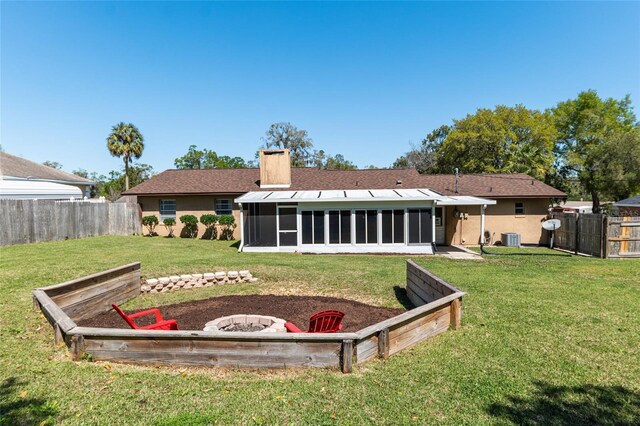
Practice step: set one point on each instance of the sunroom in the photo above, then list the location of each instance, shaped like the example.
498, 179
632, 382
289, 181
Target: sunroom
345, 221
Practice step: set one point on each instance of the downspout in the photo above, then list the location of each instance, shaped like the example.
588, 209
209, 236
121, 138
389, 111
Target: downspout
482, 210
241, 246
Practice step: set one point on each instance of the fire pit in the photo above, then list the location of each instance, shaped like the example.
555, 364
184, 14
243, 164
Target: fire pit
247, 323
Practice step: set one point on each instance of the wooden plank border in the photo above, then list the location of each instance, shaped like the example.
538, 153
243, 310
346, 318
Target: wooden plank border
249, 350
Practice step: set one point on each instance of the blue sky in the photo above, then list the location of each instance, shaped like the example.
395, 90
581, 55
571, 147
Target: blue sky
365, 79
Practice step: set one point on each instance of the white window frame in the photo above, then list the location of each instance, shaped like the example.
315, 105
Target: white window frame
218, 211
175, 210
515, 210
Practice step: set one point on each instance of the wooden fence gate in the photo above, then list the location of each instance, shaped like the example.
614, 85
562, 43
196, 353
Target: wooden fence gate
598, 235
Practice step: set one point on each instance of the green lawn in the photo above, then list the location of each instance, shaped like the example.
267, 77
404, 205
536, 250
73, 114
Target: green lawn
546, 338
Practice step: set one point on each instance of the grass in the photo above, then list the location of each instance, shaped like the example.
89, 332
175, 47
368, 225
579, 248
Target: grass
545, 339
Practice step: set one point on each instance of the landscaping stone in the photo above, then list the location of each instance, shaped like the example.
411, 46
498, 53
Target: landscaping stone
174, 278
191, 281
209, 276
163, 280
185, 277
152, 282
197, 276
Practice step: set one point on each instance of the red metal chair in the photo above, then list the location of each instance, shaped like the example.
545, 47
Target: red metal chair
322, 322
160, 324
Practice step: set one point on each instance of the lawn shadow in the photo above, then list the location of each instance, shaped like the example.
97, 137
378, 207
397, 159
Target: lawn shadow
17, 408
570, 405
401, 296
235, 245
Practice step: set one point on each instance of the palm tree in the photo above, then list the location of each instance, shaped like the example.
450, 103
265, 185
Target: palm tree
125, 141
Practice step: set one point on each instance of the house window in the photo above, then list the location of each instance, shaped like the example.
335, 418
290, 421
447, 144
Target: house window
366, 227
312, 227
167, 209
392, 226
340, 227
519, 209
224, 207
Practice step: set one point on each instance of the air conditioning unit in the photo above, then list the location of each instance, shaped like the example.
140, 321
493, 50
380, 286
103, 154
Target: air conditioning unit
510, 239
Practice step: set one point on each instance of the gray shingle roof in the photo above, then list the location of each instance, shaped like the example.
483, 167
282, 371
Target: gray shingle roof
13, 166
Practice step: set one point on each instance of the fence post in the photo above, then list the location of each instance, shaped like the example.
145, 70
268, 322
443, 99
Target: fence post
577, 233
604, 241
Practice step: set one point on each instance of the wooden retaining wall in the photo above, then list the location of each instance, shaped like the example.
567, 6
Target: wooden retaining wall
64, 304
91, 295
33, 221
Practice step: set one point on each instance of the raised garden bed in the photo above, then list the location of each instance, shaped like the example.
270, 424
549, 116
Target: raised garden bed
438, 307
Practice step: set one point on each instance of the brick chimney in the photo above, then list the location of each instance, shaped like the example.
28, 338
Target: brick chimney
275, 168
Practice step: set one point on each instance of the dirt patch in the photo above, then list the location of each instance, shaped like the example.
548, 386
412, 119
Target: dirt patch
297, 309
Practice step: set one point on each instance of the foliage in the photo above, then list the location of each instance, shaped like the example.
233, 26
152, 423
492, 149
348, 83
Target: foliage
190, 223
321, 161
99, 180
115, 184
52, 164
210, 221
287, 136
126, 141
150, 222
169, 223
568, 322
502, 140
207, 159
422, 158
228, 223
598, 143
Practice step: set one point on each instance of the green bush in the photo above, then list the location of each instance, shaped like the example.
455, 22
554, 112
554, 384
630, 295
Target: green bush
169, 223
209, 220
228, 223
190, 223
150, 222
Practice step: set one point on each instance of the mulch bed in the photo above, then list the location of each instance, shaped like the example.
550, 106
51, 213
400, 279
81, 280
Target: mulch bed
297, 309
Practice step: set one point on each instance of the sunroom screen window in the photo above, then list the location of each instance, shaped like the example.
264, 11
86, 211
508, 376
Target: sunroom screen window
313, 227
339, 227
366, 226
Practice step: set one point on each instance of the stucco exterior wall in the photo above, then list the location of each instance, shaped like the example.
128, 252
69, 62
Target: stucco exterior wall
499, 218
196, 205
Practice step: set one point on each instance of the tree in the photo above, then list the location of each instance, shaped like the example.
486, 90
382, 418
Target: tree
99, 180
338, 162
169, 223
190, 223
206, 159
321, 161
210, 221
114, 185
150, 222
422, 158
502, 140
287, 136
127, 142
52, 164
597, 143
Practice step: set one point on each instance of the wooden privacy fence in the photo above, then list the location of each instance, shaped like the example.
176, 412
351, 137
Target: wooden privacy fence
438, 308
598, 235
33, 221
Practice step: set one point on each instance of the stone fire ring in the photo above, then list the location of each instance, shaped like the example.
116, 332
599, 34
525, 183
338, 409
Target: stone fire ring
271, 324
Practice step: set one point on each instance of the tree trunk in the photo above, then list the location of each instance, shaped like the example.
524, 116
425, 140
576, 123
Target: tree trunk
126, 173
596, 201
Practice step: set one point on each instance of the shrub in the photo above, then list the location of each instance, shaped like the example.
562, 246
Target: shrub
209, 220
169, 223
228, 223
190, 222
150, 222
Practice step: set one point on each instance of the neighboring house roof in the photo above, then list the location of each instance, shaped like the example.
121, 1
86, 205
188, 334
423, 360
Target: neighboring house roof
238, 181
20, 168
37, 190
628, 202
